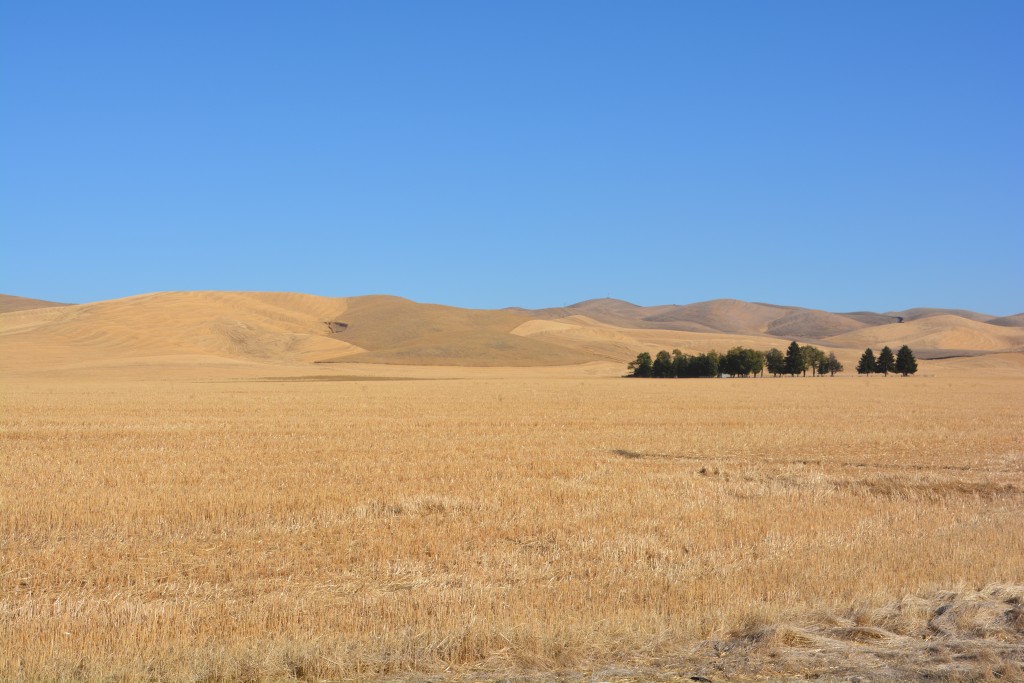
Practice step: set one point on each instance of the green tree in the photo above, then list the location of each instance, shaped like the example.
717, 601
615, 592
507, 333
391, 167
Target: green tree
905, 361
886, 362
775, 361
741, 362
680, 363
712, 363
812, 357
732, 363
832, 365
705, 365
795, 363
662, 365
753, 361
866, 365
641, 367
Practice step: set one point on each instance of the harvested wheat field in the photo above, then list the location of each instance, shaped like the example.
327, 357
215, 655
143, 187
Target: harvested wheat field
508, 524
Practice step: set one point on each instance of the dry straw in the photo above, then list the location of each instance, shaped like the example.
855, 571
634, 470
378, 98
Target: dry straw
329, 530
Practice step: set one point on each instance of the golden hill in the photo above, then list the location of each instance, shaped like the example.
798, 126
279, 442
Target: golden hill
267, 327
928, 335
918, 313
270, 328
717, 316
285, 330
583, 334
396, 330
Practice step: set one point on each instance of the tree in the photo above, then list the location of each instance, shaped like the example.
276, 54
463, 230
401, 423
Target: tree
680, 363
732, 362
701, 365
712, 361
795, 363
886, 362
775, 361
866, 366
741, 362
812, 357
753, 361
641, 367
705, 365
662, 366
905, 361
832, 365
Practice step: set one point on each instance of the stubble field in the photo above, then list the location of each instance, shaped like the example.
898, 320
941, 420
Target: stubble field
492, 527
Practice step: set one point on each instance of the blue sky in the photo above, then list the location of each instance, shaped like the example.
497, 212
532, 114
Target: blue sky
845, 156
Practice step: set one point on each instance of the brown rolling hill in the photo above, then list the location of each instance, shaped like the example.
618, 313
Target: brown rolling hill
260, 327
1008, 320
868, 318
719, 315
396, 330
919, 313
282, 329
270, 328
9, 304
937, 336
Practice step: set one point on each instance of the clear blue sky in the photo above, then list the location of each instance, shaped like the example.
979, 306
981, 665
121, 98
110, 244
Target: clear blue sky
837, 155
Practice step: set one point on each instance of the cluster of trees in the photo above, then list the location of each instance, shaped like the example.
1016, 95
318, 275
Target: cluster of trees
799, 359
741, 362
738, 362
903, 362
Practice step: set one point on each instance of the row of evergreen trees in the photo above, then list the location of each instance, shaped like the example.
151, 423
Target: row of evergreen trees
903, 362
741, 362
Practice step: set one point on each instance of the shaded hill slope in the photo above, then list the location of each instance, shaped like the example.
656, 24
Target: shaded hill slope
396, 330
9, 304
719, 315
1008, 320
919, 313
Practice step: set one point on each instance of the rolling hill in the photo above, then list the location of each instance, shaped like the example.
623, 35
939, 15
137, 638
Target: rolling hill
282, 329
937, 336
9, 304
719, 315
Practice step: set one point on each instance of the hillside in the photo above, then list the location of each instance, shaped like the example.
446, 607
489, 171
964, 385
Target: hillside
238, 326
719, 315
919, 313
9, 304
1008, 321
281, 329
395, 330
935, 336
586, 335
274, 328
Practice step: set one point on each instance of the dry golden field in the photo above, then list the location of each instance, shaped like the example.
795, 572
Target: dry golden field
512, 525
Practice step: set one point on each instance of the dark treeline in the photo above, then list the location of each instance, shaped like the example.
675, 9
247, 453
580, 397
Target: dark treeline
741, 362
737, 362
903, 362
